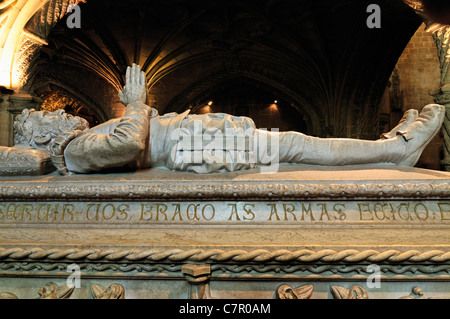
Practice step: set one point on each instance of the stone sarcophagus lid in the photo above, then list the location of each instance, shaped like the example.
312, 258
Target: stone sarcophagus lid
303, 232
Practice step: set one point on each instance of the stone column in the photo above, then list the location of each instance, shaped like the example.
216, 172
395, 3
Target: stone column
12, 105
441, 35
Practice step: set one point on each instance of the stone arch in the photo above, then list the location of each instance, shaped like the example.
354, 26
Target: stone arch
340, 104
18, 46
54, 83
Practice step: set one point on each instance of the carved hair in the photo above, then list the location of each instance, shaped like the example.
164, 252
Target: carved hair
24, 129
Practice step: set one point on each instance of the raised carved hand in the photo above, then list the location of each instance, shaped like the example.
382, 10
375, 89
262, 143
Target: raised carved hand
135, 89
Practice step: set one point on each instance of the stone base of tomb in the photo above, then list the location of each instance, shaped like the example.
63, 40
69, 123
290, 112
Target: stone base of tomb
303, 232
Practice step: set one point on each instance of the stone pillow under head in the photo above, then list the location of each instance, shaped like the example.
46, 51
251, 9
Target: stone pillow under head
22, 162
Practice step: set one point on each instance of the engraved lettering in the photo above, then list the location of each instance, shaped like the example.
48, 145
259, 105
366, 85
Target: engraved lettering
406, 210
123, 208
26, 210
97, 208
378, 209
373, 212
324, 212
339, 209
307, 211
146, 209
177, 212
55, 212
234, 212
273, 211
212, 212
364, 208
45, 217
289, 209
11, 209
392, 211
421, 211
195, 212
249, 212
111, 209
161, 209
445, 211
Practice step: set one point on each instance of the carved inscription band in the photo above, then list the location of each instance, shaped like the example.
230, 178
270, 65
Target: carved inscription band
224, 212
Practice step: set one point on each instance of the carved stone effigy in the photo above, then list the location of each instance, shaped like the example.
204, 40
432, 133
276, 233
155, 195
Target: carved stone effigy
302, 233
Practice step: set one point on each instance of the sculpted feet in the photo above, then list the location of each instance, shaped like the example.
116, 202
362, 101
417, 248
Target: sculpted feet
420, 133
408, 118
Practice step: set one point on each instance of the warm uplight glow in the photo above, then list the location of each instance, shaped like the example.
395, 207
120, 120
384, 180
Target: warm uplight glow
5, 79
204, 110
210, 103
56, 100
273, 108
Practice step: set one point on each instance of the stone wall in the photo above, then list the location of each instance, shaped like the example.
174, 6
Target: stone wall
419, 70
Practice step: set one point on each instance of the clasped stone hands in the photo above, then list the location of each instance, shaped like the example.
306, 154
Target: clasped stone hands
135, 89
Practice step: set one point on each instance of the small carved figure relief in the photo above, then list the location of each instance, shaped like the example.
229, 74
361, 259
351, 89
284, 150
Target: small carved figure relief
52, 291
417, 293
7, 295
354, 292
287, 292
115, 291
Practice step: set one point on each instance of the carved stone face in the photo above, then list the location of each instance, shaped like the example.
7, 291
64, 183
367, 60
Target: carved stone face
38, 130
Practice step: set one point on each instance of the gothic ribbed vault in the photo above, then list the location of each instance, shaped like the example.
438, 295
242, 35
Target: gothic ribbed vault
317, 57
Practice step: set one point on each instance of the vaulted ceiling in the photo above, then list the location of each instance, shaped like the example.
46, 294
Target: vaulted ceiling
317, 55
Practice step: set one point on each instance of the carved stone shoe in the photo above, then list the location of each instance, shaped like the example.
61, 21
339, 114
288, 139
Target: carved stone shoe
408, 118
420, 133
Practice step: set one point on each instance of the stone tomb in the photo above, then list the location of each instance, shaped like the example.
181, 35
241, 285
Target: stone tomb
304, 232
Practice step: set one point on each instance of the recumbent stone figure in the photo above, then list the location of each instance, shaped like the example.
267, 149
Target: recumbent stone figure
209, 143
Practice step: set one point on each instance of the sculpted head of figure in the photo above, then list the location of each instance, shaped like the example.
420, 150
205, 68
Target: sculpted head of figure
38, 129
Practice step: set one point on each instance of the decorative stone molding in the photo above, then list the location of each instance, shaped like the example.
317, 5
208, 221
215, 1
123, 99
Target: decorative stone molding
248, 271
226, 191
218, 255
